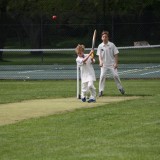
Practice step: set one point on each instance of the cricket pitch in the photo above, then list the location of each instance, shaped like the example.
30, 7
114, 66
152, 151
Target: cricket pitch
15, 112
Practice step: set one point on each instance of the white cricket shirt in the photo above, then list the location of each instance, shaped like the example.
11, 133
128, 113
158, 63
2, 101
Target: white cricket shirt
87, 70
107, 53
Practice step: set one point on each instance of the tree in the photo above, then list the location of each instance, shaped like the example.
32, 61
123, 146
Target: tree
32, 15
3, 25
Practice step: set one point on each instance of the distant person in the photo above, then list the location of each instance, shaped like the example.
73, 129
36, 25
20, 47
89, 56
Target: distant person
108, 60
85, 61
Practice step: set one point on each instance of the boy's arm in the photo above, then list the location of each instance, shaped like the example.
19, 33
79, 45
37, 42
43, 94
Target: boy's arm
116, 61
86, 58
100, 60
92, 60
99, 56
116, 57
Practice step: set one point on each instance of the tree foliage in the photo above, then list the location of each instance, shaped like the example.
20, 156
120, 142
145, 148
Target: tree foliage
79, 15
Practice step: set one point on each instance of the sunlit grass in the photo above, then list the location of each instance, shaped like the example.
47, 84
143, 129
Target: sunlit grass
126, 130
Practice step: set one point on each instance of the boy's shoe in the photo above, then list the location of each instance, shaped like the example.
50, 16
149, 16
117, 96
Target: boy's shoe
122, 91
100, 94
91, 100
83, 99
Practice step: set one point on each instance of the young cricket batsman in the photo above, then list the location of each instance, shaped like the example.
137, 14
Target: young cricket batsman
85, 61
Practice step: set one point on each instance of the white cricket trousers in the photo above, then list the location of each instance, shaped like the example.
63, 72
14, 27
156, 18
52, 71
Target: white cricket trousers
103, 76
88, 87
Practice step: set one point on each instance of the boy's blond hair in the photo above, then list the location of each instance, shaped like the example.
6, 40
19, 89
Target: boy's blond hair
79, 47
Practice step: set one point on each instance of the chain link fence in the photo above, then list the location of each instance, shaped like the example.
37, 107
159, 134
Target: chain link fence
45, 49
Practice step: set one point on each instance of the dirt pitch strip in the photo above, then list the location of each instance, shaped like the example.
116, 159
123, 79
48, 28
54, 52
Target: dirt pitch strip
15, 112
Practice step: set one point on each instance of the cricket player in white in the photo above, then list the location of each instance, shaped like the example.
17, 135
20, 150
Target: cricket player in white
108, 60
88, 77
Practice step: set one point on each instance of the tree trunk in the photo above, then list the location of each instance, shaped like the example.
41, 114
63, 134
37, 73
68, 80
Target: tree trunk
3, 28
34, 32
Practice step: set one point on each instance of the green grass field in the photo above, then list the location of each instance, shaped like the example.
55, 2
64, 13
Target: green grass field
127, 130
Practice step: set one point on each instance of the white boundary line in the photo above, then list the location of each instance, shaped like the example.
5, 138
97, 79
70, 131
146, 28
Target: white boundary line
30, 71
150, 73
14, 77
138, 70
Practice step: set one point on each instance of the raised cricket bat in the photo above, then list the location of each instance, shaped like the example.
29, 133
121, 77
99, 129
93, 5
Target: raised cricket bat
93, 41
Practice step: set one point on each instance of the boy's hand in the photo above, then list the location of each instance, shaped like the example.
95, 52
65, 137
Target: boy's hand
92, 55
115, 66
